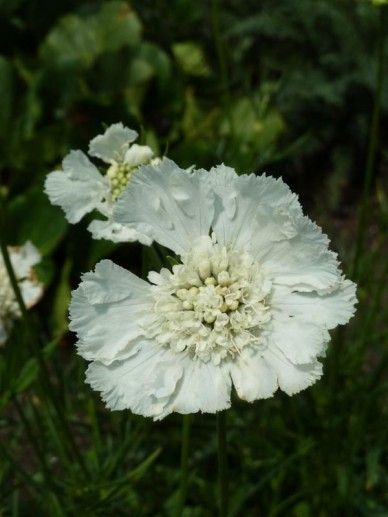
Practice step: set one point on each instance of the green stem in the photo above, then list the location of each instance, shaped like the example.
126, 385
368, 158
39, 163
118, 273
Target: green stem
47, 389
222, 464
372, 148
186, 424
215, 16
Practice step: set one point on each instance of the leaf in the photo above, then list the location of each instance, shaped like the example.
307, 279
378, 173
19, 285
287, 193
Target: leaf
190, 57
79, 41
33, 218
59, 318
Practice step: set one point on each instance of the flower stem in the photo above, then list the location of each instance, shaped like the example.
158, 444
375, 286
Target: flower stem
186, 424
372, 147
222, 464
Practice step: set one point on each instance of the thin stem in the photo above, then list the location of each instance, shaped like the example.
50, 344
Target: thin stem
186, 424
372, 147
222, 464
47, 387
215, 17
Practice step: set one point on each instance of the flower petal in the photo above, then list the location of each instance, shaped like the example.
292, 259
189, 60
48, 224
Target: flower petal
31, 292
113, 144
300, 342
252, 377
176, 205
204, 387
292, 378
143, 383
107, 312
327, 310
79, 188
138, 155
303, 261
116, 232
24, 258
252, 210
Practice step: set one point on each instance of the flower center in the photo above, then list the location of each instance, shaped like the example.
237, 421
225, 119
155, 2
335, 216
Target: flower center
119, 175
212, 305
9, 308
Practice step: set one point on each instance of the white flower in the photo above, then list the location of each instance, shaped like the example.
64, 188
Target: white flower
22, 259
80, 188
250, 305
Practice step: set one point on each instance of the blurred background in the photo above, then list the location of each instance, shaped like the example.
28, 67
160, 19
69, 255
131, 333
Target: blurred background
286, 87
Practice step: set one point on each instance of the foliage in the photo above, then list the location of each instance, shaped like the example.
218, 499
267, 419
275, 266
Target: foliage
286, 87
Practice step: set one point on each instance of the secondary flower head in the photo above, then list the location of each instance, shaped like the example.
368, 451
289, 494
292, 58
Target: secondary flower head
23, 259
250, 304
81, 188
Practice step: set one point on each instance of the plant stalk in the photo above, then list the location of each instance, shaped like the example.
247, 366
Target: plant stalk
186, 425
372, 148
222, 464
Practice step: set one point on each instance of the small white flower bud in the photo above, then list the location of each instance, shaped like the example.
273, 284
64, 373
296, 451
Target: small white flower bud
223, 278
182, 294
187, 305
210, 280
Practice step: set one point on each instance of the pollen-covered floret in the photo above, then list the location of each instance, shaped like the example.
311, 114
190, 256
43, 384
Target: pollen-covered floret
213, 304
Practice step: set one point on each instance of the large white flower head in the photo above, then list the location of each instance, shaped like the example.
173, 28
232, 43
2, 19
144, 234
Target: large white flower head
81, 188
250, 304
23, 259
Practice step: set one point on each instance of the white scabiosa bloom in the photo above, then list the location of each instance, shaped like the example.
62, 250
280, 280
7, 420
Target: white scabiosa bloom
23, 259
250, 304
80, 187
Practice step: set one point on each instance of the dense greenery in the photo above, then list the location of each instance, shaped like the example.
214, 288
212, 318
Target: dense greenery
285, 87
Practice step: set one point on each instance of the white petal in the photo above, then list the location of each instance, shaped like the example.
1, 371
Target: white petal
328, 310
292, 378
252, 210
31, 292
143, 383
175, 204
107, 312
138, 155
299, 341
79, 188
303, 261
116, 232
24, 258
252, 377
204, 387
113, 144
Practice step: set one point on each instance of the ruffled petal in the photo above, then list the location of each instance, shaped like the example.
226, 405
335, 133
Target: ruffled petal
203, 387
303, 262
252, 211
300, 342
23, 258
292, 378
107, 312
31, 292
327, 310
79, 188
138, 155
176, 205
252, 377
113, 144
143, 383
116, 232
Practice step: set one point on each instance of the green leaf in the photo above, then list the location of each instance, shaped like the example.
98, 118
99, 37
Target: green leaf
33, 218
191, 59
59, 318
80, 40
